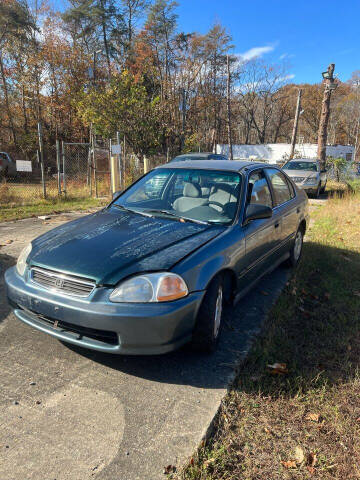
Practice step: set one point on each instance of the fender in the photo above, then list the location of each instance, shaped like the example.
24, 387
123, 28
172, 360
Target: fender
224, 252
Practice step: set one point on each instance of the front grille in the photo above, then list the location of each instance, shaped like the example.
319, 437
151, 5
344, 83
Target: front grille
104, 336
298, 179
61, 283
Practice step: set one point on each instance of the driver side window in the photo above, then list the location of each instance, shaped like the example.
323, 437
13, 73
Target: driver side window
258, 192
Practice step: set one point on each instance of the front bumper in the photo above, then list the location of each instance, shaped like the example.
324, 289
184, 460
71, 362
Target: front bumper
98, 324
307, 188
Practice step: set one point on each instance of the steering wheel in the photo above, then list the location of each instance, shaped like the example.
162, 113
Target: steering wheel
218, 204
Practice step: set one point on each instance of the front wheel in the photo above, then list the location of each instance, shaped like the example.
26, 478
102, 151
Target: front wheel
208, 324
296, 250
318, 190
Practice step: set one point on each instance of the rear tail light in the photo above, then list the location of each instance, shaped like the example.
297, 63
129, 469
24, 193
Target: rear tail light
0, 162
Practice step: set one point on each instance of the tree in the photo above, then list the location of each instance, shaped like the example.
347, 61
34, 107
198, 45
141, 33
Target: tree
125, 106
16, 24
99, 24
131, 11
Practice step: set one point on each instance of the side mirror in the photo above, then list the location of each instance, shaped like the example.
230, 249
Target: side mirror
323, 171
116, 194
257, 211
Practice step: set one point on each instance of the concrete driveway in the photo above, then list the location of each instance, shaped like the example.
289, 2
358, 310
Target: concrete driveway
68, 413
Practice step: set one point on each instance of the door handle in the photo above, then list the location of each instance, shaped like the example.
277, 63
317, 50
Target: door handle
277, 224
298, 210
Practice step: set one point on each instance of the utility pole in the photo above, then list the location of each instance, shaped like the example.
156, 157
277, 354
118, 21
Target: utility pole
229, 107
330, 85
296, 122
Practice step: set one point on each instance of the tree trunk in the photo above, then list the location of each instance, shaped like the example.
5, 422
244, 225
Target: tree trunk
106, 46
295, 128
229, 108
7, 104
324, 118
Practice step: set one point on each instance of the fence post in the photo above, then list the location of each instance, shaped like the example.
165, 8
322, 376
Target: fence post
58, 164
89, 170
146, 164
40, 156
120, 166
64, 161
110, 167
115, 177
94, 167
124, 161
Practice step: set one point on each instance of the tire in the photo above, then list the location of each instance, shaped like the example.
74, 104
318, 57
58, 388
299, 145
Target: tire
4, 174
318, 190
209, 320
296, 249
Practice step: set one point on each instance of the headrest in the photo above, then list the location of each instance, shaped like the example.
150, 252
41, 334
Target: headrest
192, 190
224, 187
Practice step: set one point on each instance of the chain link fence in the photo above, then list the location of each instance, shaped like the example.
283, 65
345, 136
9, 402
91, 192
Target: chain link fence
25, 181
70, 170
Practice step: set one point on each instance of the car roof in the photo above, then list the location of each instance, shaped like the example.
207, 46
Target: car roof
230, 165
198, 154
304, 160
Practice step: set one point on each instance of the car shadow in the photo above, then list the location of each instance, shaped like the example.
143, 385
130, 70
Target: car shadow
6, 261
319, 340
241, 324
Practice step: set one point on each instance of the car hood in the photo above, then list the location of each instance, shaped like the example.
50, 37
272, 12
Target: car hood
302, 173
111, 244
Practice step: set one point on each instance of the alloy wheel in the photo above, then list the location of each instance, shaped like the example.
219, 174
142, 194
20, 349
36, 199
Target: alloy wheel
218, 312
298, 245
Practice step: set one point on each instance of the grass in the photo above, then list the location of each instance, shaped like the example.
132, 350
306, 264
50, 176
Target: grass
25, 200
304, 423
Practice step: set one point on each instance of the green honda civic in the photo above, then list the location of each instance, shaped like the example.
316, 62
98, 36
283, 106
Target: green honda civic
153, 270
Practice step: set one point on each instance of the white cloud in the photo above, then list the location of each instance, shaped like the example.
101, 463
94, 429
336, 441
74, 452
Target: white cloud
286, 77
286, 55
256, 52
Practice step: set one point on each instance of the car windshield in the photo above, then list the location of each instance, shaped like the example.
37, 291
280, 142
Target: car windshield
298, 165
194, 195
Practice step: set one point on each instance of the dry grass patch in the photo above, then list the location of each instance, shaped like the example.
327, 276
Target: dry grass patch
304, 423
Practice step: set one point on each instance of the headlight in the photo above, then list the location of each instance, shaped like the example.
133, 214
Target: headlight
21, 262
311, 181
151, 287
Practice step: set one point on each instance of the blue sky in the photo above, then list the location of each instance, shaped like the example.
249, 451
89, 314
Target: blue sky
308, 35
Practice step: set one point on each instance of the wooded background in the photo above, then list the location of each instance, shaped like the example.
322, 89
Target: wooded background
123, 65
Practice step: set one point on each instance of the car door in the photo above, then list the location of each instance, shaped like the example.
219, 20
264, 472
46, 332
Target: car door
261, 234
285, 206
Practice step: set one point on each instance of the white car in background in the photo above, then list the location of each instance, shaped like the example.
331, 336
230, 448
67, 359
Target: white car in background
307, 174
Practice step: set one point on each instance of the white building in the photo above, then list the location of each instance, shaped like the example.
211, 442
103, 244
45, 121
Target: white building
278, 152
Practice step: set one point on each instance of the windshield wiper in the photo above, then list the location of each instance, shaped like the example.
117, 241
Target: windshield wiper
144, 214
180, 217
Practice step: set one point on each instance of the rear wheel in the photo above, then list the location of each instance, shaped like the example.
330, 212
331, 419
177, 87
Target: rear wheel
4, 174
296, 250
208, 324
